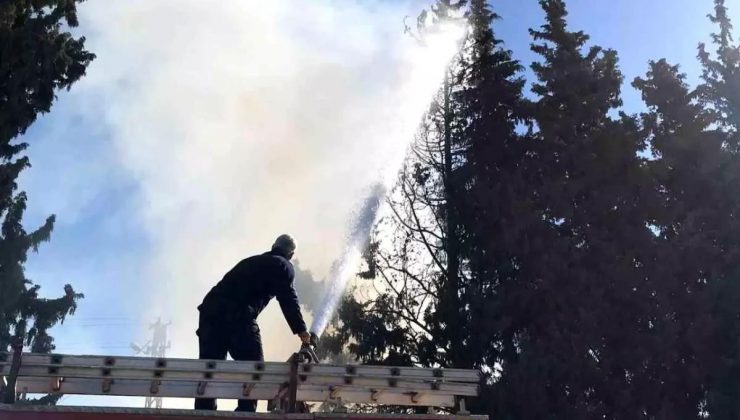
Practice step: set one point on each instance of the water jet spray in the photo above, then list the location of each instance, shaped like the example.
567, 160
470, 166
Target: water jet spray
341, 269
441, 40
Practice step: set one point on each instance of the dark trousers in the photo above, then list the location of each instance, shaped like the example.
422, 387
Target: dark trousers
240, 339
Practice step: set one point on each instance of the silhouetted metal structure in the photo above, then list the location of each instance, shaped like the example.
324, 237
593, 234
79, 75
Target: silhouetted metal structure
156, 347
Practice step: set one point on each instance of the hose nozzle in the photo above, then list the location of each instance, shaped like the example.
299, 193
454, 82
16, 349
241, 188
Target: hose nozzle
307, 350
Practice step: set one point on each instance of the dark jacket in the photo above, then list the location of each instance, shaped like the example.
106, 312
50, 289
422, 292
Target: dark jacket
248, 287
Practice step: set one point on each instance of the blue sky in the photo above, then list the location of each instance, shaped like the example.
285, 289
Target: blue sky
103, 242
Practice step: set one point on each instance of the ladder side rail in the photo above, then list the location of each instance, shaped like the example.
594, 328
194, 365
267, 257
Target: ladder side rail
187, 365
185, 389
217, 376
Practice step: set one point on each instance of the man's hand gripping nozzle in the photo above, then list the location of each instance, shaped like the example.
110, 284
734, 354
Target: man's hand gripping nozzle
308, 350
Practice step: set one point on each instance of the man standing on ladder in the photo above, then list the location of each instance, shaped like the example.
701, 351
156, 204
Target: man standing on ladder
228, 314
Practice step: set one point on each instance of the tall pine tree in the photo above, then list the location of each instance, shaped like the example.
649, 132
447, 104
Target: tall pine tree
425, 274
721, 89
575, 310
493, 189
38, 56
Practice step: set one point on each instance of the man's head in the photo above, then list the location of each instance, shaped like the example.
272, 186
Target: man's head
284, 245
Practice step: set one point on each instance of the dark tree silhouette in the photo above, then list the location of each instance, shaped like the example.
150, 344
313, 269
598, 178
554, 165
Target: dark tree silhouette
38, 56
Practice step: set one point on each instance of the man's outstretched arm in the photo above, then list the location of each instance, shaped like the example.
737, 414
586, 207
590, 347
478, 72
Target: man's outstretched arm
288, 299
